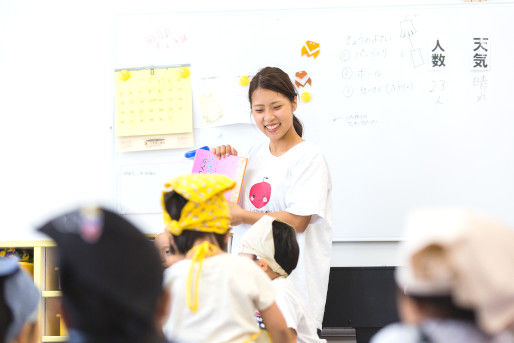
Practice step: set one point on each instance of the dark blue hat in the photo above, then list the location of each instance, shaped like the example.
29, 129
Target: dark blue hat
103, 256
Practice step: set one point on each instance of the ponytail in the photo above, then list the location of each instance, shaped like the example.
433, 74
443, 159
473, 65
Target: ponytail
298, 127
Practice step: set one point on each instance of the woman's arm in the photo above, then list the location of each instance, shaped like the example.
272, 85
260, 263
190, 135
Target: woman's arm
276, 325
240, 216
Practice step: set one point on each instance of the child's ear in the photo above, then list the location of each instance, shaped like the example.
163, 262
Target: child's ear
262, 264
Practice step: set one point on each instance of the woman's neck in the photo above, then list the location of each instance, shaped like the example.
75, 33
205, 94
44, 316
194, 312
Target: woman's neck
282, 145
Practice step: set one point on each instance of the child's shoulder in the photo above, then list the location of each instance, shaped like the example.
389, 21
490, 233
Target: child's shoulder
235, 261
237, 265
223, 263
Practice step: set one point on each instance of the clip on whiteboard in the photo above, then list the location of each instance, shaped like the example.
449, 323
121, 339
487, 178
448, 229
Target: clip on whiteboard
192, 153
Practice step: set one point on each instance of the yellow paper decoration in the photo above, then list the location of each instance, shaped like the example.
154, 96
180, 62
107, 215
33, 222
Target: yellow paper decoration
244, 80
306, 96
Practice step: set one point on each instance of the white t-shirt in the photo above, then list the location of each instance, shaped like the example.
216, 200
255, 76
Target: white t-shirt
231, 288
296, 315
298, 182
437, 331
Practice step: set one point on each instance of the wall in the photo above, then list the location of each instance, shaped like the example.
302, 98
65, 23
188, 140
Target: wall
57, 109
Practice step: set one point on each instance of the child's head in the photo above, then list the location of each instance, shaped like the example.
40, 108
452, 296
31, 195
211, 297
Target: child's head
274, 245
165, 245
19, 299
195, 208
457, 264
111, 275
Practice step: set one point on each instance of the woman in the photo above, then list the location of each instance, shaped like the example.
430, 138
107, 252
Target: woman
287, 178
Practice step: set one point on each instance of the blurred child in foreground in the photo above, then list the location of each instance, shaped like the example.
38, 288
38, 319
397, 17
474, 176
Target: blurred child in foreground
457, 281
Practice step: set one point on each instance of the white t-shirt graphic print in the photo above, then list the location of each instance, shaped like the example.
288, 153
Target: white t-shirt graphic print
297, 182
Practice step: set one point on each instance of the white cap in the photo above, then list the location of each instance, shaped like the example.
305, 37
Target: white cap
466, 255
258, 240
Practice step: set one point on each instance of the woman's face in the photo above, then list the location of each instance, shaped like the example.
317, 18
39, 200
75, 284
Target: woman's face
273, 113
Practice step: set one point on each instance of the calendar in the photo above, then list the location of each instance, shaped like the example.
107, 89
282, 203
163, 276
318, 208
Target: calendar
153, 101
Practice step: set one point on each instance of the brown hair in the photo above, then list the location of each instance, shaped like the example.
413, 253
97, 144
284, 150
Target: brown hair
275, 79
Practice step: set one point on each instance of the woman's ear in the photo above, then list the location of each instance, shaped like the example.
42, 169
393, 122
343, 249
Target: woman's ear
294, 104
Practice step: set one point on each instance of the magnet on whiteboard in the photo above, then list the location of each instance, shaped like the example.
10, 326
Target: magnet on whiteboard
306, 96
244, 81
125, 75
185, 72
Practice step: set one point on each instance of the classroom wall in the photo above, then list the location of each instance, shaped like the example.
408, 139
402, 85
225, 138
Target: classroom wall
57, 108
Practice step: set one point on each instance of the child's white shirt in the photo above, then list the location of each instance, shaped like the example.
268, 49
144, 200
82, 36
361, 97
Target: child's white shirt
231, 288
297, 182
293, 309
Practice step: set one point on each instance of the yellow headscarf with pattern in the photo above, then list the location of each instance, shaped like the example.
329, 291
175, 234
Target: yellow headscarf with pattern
206, 210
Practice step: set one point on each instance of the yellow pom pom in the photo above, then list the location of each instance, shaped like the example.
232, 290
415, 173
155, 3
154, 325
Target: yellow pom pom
306, 96
244, 81
125, 75
185, 72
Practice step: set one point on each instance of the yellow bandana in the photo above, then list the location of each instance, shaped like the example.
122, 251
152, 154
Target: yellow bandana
206, 210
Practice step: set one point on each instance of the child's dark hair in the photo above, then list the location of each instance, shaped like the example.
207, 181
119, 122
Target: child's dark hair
174, 203
275, 79
286, 246
442, 307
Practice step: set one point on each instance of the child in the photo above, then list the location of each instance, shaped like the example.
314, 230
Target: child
272, 245
164, 244
215, 294
112, 278
456, 284
19, 299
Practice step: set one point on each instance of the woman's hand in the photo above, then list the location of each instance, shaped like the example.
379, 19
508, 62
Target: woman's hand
224, 151
236, 213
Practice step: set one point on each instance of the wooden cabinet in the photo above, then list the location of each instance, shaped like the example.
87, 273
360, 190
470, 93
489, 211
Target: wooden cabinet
46, 278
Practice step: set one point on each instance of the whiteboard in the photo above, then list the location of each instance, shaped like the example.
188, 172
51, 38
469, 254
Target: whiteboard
397, 132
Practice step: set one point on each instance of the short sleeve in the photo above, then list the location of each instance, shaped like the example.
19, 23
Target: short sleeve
264, 293
309, 188
289, 310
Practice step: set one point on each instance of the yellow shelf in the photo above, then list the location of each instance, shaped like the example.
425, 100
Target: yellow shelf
51, 294
55, 338
27, 244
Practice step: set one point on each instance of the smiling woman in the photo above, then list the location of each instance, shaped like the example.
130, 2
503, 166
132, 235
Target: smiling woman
287, 178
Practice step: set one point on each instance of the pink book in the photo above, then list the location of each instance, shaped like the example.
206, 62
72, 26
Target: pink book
232, 166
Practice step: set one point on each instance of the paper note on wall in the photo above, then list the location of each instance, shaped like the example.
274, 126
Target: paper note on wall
221, 101
140, 185
232, 166
155, 142
153, 101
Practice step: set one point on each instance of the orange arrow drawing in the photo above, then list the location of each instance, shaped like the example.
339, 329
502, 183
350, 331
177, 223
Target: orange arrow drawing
310, 49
